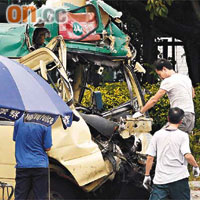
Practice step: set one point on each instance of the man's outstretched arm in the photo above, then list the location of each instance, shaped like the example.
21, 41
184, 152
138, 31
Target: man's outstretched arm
153, 100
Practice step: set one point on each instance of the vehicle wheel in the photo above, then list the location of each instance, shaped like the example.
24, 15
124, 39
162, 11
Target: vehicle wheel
62, 189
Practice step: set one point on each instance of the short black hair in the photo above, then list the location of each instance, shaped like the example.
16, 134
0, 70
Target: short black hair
175, 115
160, 63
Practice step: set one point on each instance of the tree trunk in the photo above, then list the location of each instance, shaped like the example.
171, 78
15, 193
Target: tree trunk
192, 51
148, 58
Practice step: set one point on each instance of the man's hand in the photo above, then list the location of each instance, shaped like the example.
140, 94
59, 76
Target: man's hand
147, 183
195, 171
137, 114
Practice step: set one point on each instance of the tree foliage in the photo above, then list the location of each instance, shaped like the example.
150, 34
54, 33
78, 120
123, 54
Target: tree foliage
39, 3
177, 19
158, 7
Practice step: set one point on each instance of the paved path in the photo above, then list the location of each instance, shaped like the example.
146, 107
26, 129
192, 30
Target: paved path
195, 190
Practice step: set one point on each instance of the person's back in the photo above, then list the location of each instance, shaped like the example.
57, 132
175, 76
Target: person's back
171, 147
31, 142
179, 91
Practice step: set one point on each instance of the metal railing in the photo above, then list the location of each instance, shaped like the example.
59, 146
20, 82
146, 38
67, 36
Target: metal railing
6, 191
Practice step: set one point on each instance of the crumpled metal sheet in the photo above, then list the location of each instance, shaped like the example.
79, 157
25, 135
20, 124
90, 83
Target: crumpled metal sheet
108, 9
75, 149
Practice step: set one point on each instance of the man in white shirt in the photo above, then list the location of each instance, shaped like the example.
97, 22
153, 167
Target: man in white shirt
179, 90
171, 148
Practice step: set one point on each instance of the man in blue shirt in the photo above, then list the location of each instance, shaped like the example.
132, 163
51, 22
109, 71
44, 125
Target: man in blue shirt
31, 143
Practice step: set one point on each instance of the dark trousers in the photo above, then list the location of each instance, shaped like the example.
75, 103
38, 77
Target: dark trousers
28, 179
178, 190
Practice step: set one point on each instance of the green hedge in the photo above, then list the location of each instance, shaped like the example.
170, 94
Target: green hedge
160, 110
113, 94
197, 107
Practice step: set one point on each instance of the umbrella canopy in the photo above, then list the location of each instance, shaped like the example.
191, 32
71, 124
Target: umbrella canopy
22, 91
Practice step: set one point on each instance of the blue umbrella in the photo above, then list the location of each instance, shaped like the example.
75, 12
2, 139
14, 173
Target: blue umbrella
23, 92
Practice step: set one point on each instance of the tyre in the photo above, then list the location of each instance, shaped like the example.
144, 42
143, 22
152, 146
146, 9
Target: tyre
61, 189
